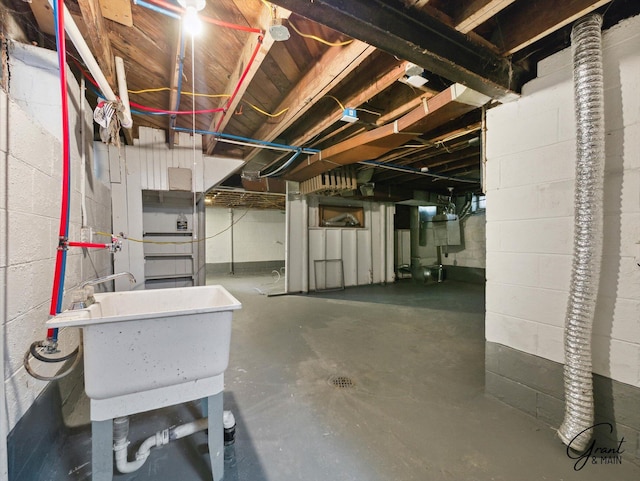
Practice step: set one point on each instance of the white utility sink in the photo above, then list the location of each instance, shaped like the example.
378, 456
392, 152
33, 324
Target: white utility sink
144, 340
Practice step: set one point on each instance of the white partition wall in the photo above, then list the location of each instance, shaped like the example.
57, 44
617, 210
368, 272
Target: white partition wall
365, 253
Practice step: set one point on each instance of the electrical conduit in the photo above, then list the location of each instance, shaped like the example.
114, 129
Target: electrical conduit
586, 40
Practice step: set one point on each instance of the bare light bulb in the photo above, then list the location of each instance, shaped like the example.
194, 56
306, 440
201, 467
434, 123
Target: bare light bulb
192, 23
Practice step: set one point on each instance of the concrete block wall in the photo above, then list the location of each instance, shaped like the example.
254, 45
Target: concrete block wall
472, 252
30, 191
530, 180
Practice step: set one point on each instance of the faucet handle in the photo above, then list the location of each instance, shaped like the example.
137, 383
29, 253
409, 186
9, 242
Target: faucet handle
82, 297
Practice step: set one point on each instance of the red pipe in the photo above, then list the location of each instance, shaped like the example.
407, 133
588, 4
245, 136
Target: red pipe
244, 75
180, 10
58, 280
175, 112
89, 245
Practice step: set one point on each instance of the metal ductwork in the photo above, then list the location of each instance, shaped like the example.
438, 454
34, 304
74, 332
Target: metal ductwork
586, 39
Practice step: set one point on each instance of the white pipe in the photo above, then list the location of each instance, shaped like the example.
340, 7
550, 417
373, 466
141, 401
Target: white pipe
121, 432
84, 51
127, 122
188, 429
83, 160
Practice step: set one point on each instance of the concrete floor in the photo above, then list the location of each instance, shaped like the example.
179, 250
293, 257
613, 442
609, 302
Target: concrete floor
417, 409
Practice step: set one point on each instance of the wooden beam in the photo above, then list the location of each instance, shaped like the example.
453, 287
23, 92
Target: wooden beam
438, 161
402, 109
247, 52
477, 12
98, 38
419, 38
324, 75
355, 100
535, 20
447, 105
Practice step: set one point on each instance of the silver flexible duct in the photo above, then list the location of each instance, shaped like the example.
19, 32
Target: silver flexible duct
586, 43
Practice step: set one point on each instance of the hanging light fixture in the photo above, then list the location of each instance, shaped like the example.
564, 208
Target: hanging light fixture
191, 21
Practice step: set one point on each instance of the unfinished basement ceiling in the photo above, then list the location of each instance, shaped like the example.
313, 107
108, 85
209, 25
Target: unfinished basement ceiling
340, 54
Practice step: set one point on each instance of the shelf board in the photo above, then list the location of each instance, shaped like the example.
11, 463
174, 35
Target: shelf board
169, 276
167, 234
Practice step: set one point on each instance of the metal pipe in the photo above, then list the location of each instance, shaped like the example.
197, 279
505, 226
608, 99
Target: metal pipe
231, 267
283, 166
305, 244
586, 41
101, 280
252, 142
287, 237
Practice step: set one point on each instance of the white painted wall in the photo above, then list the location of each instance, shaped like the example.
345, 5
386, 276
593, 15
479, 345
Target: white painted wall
258, 235
367, 253
472, 252
30, 191
531, 155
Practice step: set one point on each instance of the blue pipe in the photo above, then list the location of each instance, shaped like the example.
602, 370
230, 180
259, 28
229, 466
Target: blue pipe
247, 139
142, 112
155, 8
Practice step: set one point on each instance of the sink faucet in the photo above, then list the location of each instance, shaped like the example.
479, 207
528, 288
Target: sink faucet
102, 280
83, 295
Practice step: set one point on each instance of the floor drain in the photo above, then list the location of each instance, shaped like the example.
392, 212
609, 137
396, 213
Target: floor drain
341, 382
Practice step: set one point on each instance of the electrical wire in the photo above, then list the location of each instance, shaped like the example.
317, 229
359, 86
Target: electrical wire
195, 241
318, 39
369, 111
334, 98
212, 96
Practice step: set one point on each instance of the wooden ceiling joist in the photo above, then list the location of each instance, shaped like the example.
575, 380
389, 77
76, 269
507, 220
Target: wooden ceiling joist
354, 101
333, 66
518, 31
244, 59
477, 12
419, 38
99, 38
447, 105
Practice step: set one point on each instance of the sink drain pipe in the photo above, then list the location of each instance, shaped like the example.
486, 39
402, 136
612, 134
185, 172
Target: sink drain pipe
586, 40
121, 441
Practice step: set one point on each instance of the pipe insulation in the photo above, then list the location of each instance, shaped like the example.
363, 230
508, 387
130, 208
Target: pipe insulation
586, 41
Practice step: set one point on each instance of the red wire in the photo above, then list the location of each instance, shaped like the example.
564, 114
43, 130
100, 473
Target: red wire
244, 75
175, 112
144, 107
213, 21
